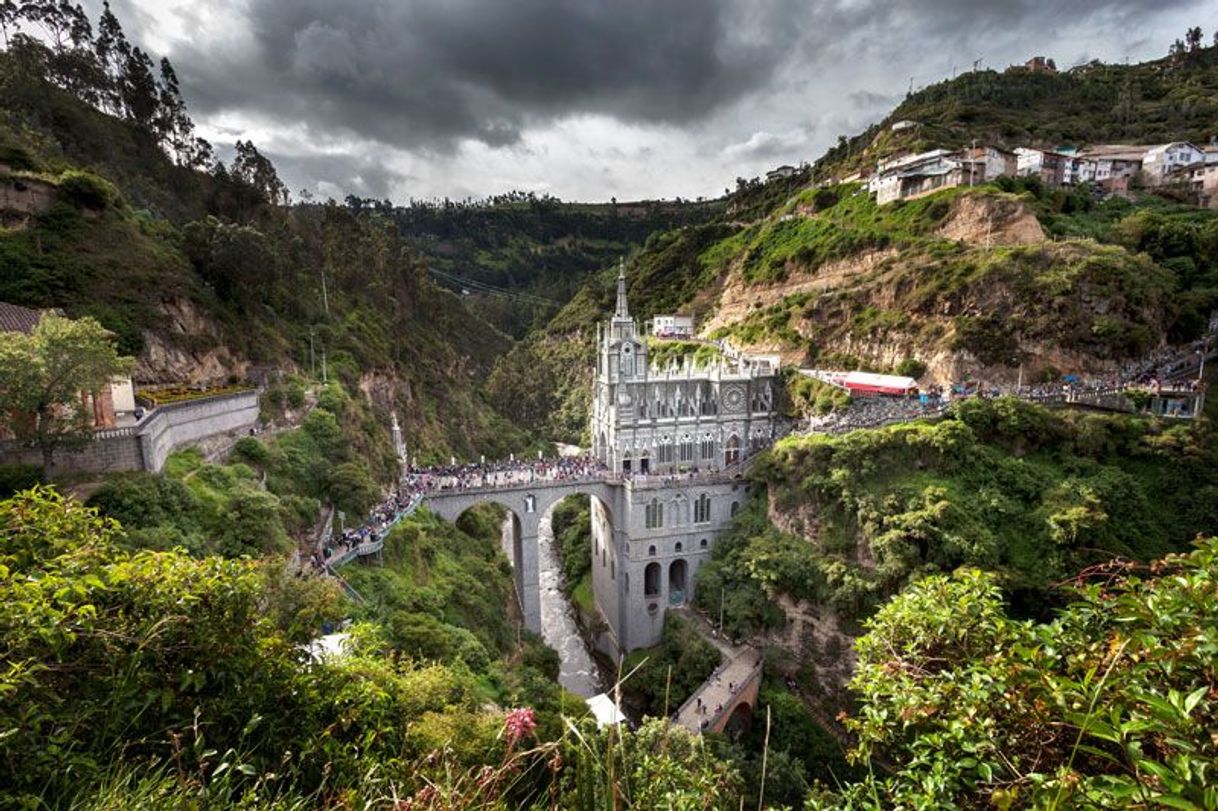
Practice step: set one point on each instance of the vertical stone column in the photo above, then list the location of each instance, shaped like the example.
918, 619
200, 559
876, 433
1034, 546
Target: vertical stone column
528, 577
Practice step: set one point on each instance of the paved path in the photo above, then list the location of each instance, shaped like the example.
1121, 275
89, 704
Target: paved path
717, 692
724, 683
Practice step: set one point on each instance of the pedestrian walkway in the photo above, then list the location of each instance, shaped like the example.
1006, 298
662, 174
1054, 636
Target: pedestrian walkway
733, 682
709, 708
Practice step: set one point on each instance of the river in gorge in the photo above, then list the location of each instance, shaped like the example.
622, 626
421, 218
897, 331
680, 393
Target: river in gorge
578, 671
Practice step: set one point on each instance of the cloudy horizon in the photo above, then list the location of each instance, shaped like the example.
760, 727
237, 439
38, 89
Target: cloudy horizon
590, 99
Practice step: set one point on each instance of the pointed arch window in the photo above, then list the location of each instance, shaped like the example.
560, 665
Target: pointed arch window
653, 514
702, 509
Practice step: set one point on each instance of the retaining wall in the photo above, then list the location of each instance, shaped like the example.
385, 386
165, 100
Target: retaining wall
146, 446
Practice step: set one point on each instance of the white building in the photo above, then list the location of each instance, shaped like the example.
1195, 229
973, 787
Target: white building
648, 419
1160, 161
908, 176
781, 173
672, 326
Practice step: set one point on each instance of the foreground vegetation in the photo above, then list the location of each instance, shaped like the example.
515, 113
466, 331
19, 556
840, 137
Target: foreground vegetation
142, 679
1031, 494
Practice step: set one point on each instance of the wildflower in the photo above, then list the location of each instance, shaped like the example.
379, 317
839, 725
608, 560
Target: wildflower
518, 723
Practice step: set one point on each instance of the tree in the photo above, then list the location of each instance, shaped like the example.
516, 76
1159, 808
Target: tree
44, 374
141, 96
256, 171
112, 52
1193, 39
9, 16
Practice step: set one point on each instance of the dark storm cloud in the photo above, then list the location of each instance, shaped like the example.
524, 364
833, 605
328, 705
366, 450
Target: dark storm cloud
426, 72
338, 89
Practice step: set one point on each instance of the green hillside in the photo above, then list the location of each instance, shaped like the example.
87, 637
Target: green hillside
204, 270
1152, 102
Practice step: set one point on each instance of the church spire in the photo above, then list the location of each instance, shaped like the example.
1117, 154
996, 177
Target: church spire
622, 311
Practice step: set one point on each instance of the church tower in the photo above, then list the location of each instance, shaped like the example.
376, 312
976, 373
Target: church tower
620, 379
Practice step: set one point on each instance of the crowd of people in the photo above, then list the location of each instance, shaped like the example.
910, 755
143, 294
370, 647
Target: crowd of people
477, 475
1174, 369
875, 412
417, 483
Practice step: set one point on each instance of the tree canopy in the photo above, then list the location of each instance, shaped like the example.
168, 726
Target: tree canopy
44, 374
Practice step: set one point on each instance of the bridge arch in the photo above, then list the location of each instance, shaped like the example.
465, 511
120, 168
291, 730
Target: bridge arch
678, 577
739, 721
527, 504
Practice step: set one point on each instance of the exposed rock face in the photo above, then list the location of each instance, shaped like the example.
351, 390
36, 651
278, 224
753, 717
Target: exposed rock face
187, 351
992, 220
386, 391
740, 297
23, 196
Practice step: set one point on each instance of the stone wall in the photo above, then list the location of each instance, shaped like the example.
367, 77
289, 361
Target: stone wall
146, 446
180, 424
111, 451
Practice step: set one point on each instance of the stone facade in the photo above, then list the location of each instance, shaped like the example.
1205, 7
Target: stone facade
647, 561
648, 420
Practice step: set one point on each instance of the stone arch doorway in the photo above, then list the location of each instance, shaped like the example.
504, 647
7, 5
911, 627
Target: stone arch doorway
678, 576
731, 451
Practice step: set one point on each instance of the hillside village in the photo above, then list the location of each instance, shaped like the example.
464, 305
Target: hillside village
1109, 169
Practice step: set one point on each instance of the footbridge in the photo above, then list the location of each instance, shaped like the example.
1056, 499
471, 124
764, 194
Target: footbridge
725, 701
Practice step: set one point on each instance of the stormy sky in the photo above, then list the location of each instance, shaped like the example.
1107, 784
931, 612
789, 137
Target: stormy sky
592, 99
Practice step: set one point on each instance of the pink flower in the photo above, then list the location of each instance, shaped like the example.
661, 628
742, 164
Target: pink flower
518, 723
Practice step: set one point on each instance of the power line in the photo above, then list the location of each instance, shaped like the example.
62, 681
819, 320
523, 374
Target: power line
483, 287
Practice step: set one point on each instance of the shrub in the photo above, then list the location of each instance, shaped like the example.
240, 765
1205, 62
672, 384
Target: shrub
250, 449
911, 367
15, 477
87, 190
18, 157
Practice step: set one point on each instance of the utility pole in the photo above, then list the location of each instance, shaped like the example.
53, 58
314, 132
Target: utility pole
324, 377
325, 298
722, 589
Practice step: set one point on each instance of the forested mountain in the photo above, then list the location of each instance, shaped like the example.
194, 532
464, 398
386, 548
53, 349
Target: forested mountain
518, 258
198, 267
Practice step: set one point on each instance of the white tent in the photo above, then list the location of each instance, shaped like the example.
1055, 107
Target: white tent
605, 711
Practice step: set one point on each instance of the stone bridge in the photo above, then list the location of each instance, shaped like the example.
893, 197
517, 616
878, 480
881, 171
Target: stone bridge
649, 537
725, 701
526, 504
